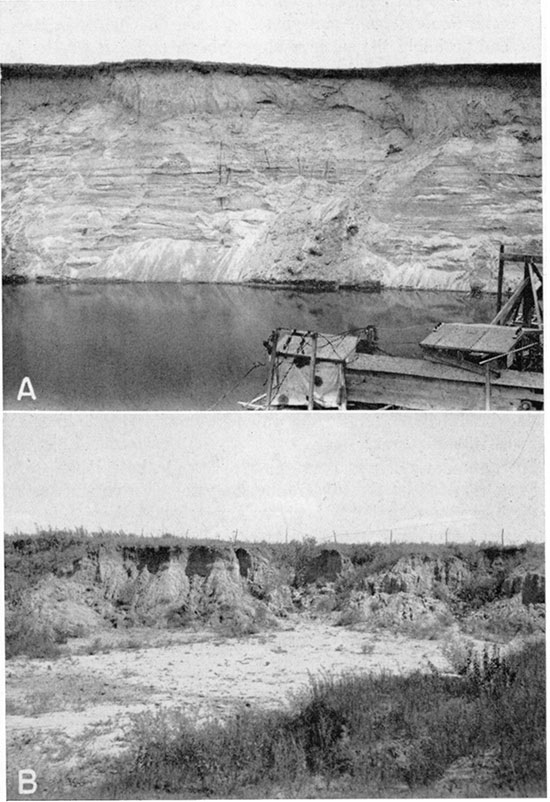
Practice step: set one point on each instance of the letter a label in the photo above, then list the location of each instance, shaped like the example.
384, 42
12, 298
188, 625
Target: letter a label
26, 390
27, 781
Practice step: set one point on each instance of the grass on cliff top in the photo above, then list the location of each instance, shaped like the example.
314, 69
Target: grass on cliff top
28, 558
483, 734
377, 555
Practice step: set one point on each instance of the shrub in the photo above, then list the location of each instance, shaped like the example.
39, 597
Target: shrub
504, 619
350, 617
371, 732
302, 555
27, 635
425, 629
458, 652
479, 590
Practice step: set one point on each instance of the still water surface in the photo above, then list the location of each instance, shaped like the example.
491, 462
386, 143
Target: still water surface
187, 346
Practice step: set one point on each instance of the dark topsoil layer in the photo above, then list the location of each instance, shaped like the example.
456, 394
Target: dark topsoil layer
68, 554
447, 74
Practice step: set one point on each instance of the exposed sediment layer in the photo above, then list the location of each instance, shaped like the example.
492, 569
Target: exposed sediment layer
77, 585
175, 171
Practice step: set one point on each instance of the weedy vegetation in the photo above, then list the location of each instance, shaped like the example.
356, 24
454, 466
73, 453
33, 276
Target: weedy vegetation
27, 635
357, 736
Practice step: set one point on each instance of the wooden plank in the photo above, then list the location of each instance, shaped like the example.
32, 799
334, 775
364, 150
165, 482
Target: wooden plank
411, 392
474, 337
510, 304
523, 380
521, 257
419, 393
458, 336
374, 364
497, 340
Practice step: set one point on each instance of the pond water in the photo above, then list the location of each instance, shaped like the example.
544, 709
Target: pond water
187, 346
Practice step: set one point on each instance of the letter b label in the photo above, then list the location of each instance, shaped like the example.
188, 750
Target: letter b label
27, 781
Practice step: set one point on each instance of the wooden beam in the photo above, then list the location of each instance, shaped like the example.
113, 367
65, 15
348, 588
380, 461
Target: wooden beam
473, 367
419, 384
310, 401
526, 298
487, 387
537, 271
521, 257
407, 392
534, 293
507, 354
272, 360
500, 277
343, 400
510, 304
396, 366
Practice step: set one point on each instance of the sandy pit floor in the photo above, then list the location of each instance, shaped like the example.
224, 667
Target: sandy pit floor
66, 717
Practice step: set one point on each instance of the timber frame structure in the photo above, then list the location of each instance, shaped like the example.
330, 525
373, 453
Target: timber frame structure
466, 366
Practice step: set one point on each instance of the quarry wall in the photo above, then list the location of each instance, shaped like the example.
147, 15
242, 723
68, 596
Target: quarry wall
174, 171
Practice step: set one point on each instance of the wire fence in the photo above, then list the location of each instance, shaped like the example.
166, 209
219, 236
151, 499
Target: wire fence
425, 534
434, 535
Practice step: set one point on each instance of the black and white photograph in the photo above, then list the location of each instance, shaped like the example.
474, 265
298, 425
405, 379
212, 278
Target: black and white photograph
216, 205
256, 606
212, 209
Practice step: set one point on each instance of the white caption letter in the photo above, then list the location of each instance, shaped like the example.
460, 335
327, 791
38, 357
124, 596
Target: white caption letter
26, 389
27, 781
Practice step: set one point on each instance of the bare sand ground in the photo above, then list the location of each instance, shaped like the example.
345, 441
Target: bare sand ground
65, 717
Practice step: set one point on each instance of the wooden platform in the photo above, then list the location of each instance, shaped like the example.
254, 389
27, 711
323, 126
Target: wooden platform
476, 338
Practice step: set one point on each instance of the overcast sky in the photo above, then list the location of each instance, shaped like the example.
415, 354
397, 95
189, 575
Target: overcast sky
303, 33
358, 474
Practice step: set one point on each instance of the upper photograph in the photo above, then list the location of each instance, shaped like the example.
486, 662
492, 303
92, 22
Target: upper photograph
272, 206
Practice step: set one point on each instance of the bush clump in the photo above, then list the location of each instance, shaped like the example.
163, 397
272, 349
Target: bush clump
357, 733
28, 635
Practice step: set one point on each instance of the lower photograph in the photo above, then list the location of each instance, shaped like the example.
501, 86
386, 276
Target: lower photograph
266, 606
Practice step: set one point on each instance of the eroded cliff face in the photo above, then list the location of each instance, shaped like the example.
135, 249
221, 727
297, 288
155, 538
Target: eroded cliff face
175, 171
75, 586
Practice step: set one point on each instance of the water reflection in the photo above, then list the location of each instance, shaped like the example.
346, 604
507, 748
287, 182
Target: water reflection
186, 346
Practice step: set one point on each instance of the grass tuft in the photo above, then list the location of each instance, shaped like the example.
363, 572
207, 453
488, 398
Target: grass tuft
375, 732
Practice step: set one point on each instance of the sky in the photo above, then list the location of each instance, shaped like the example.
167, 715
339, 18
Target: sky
356, 475
300, 33
261, 476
